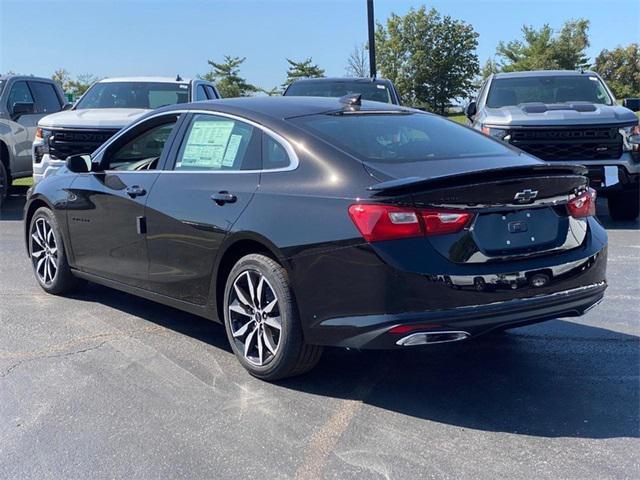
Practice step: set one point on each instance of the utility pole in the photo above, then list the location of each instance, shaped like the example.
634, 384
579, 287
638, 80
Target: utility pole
372, 40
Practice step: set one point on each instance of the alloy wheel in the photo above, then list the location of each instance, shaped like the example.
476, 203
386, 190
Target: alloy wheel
254, 316
44, 251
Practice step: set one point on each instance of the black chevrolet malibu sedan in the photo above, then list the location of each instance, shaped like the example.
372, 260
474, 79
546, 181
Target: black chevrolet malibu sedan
304, 222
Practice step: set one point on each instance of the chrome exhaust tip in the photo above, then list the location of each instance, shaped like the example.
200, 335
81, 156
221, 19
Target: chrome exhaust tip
427, 338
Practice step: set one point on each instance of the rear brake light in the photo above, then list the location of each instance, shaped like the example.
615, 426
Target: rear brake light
584, 205
438, 222
386, 222
383, 222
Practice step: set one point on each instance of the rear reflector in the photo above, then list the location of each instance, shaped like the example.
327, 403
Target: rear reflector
378, 222
584, 205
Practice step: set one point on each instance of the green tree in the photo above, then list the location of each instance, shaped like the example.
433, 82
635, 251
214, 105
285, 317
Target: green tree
304, 69
544, 50
226, 76
76, 86
273, 92
62, 78
358, 62
431, 59
82, 83
490, 67
620, 68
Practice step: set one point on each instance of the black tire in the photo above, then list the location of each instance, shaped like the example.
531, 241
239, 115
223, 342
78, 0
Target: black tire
5, 182
62, 280
292, 355
625, 205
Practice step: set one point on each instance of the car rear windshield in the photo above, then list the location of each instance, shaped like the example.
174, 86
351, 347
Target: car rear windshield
547, 89
148, 95
377, 92
400, 137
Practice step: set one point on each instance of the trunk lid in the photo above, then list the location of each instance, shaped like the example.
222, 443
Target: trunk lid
518, 210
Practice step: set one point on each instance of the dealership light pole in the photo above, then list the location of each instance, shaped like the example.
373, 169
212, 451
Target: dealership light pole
372, 40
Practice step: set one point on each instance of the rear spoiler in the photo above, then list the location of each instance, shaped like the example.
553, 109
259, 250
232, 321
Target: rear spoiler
478, 176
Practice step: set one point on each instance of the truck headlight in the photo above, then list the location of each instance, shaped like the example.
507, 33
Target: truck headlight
497, 133
41, 144
631, 141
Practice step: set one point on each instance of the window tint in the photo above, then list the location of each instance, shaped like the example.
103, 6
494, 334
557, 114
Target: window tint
200, 93
143, 151
219, 144
211, 92
47, 100
397, 138
134, 95
273, 154
19, 93
547, 89
377, 92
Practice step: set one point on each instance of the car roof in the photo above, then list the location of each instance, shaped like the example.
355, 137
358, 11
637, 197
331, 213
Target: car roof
543, 73
340, 79
145, 79
281, 107
24, 77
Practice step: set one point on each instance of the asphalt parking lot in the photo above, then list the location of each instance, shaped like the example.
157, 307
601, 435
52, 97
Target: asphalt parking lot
106, 385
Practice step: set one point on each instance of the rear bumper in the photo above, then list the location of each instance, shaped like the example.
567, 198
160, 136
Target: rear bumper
352, 296
372, 331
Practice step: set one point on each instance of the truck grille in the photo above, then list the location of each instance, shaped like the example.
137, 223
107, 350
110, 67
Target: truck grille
596, 143
64, 143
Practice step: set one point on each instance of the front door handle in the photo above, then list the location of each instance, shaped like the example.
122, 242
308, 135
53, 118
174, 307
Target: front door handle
135, 191
224, 197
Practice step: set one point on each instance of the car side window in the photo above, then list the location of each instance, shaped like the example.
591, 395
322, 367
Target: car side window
143, 151
19, 93
201, 94
274, 154
211, 92
47, 100
219, 144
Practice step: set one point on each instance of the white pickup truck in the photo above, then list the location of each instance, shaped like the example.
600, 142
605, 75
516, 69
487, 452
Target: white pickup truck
105, 108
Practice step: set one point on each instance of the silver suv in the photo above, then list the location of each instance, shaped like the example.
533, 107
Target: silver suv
23, 102
105, 108
569, 117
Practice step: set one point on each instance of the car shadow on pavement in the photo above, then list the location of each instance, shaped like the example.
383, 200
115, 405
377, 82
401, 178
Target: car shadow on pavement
558, 379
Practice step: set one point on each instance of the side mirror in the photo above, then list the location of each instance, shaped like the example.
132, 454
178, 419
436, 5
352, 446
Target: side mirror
67, 106
22, 108
470, 111
79, 163
632, 104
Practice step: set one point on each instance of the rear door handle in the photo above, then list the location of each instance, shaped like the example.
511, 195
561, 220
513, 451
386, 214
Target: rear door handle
224, 197
135, 191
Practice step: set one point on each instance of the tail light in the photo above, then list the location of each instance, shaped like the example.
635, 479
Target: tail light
386, 222
584, 205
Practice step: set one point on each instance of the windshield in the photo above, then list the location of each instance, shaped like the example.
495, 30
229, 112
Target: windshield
398, 137
547, 89
147, 95
376, 92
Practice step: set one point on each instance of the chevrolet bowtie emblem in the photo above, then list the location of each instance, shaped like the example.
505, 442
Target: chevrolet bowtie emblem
525, 196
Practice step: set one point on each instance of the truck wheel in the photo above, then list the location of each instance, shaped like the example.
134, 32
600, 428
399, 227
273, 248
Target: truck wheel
624, 205
4, 182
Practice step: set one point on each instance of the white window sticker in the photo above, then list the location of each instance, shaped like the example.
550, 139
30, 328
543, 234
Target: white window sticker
207, 144
232, 150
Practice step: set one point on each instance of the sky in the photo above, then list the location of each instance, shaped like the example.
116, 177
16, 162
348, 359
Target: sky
161, 37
